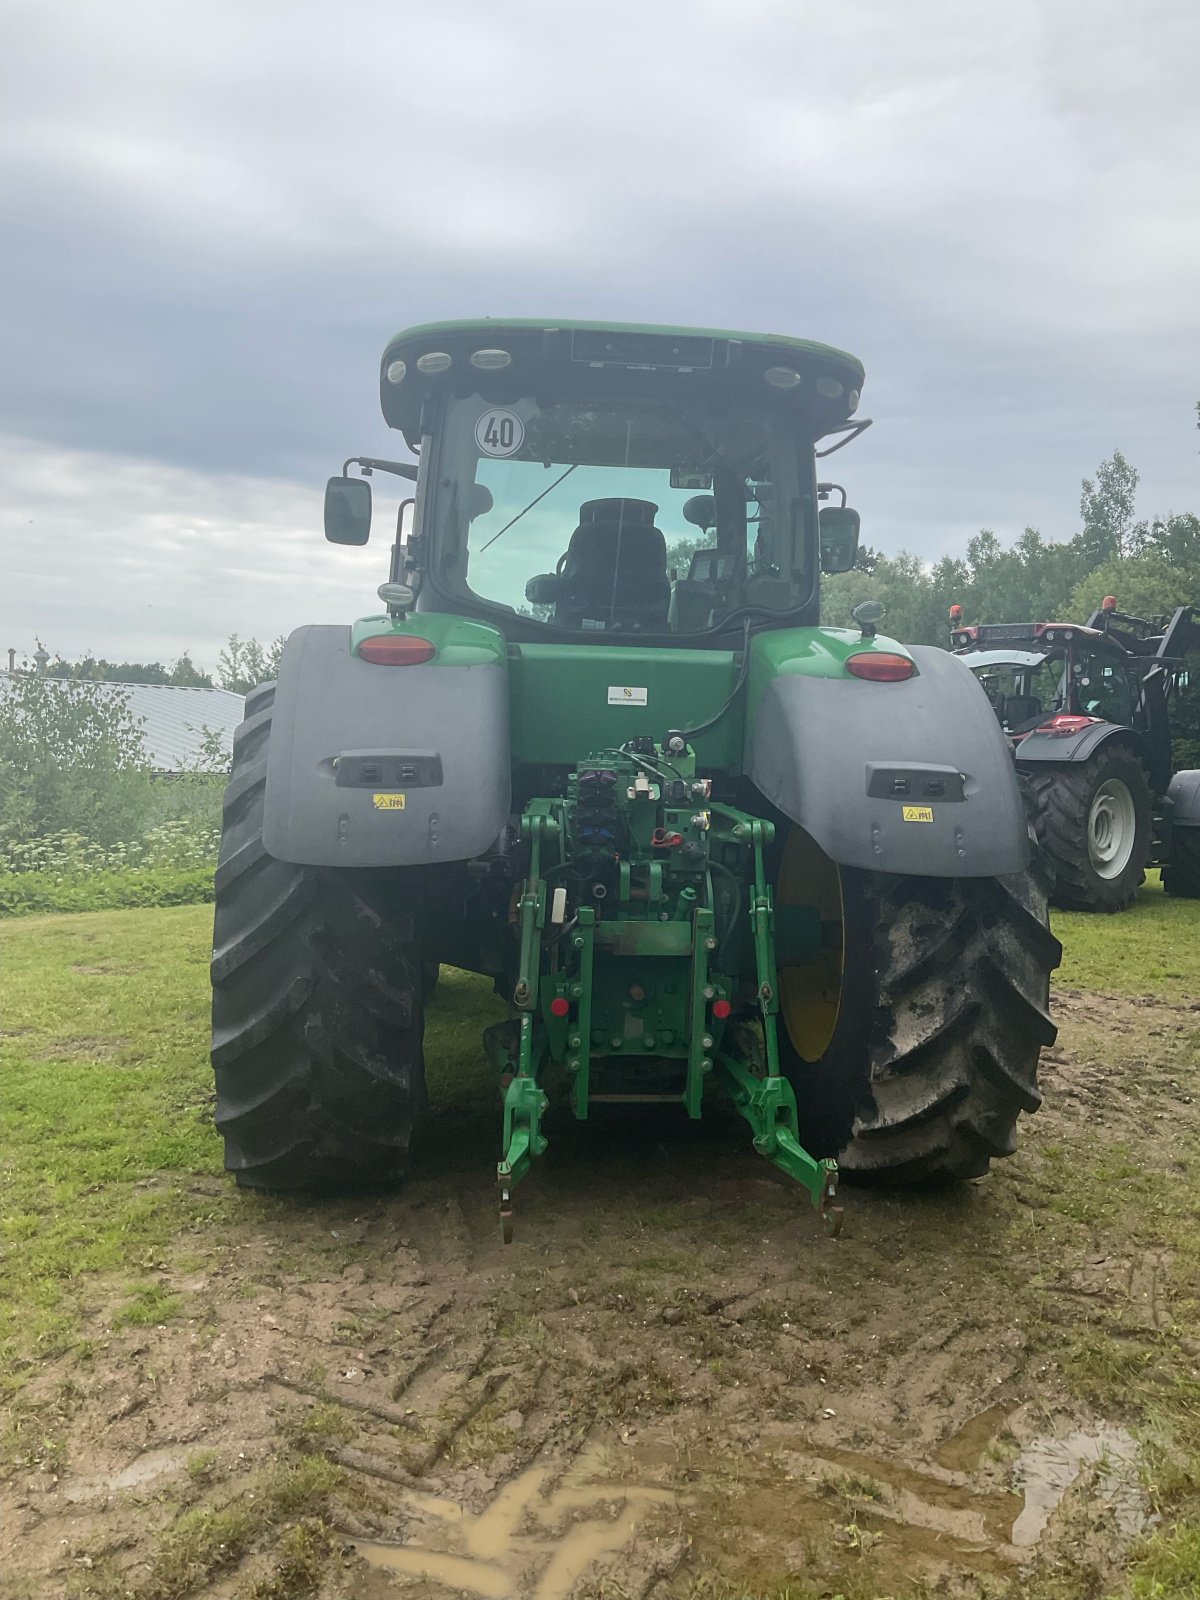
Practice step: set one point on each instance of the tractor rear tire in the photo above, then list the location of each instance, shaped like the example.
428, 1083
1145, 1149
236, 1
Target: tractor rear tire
317, 1005
1181, 875
1094, 821
943, 1014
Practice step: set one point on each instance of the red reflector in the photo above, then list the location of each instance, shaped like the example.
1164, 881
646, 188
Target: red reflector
397, 649
559, 1007
721, 1009
880, 666
1063, 727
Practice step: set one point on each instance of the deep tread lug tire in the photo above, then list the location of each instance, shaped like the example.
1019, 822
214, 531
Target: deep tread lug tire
945, 1012
1181, 875
1063, 799
317, 1006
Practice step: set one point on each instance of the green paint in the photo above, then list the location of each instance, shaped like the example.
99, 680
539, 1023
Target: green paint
460, 642
650, 947
642, 938
809, 653
560, 708
769, 1106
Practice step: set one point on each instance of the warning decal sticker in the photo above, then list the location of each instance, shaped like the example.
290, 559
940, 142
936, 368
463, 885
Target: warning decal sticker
917, 813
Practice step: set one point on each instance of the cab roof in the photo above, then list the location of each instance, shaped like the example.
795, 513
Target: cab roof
491, 325
435, 359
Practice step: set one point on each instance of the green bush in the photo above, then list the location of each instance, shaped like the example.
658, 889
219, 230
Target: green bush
71, 759
26, 893
182, 844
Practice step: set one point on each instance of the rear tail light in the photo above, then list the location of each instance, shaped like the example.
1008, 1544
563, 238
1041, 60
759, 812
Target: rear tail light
881, 666
1062, 727
397, 649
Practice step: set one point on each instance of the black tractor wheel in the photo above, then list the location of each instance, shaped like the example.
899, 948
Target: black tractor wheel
1094, 821
317, 1015
912, 1039
1181, 875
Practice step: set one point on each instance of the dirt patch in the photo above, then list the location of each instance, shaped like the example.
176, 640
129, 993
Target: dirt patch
96, 1049
671, 1382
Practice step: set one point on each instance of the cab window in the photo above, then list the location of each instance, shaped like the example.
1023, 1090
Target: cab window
1103, 689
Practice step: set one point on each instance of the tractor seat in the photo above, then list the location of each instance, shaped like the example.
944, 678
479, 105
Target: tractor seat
613, 572
1021, 708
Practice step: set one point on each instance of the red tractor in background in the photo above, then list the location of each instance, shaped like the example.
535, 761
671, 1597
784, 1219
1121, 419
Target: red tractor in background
1088, 711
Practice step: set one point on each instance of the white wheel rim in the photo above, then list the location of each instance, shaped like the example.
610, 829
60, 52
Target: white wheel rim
1112, 828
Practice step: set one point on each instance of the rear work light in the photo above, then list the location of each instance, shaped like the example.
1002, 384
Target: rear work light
881, 666
397, 650
1062, 727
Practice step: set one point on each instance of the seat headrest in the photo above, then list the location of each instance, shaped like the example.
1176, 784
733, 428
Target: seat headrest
617, 510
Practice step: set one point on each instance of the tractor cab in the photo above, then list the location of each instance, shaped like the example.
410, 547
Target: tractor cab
613, 482
1049, 676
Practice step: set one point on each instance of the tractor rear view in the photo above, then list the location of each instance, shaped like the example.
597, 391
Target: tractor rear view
698, 842
1088, 712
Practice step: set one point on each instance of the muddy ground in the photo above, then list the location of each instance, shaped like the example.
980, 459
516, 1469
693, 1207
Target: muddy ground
672, 1384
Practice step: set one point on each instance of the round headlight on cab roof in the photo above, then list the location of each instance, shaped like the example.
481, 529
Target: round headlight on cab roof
831, 388
852, 400
491, 360
395, 372
434, 361
782, 377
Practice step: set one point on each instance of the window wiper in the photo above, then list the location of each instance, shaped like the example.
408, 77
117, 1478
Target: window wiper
529, 507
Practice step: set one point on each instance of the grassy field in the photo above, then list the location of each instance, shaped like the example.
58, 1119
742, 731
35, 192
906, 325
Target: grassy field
122, 1238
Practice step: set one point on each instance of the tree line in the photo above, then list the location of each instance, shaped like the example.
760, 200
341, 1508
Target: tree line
1151, 565
241, 664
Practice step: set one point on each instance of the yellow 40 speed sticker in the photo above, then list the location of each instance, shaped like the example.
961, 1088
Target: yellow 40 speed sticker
388, 802
914, 813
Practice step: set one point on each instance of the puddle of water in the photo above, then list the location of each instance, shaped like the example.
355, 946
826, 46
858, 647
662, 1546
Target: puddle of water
973, 1523
963, 1451
1047, 1468
521, 1532
145, 1469
456, 1572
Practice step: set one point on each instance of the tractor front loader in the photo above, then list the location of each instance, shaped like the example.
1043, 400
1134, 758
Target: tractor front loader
598, 747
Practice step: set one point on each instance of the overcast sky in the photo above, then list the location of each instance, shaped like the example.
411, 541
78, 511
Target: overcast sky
213, 215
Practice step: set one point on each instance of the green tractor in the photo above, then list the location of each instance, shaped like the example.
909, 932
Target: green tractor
598, 747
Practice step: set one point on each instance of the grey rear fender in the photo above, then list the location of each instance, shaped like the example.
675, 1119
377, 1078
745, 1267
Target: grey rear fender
384, 766
1183, 799
910, 777
1058, 750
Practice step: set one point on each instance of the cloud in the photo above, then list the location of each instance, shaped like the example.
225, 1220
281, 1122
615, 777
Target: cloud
137, 560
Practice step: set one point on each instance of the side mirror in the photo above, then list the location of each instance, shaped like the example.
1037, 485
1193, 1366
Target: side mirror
348, 510
701, 511
839, 538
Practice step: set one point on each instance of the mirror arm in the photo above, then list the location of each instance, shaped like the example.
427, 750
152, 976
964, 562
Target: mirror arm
851, 431
369, 464
824, 490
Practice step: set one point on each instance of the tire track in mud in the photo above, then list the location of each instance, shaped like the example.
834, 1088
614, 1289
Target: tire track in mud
680, 1313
